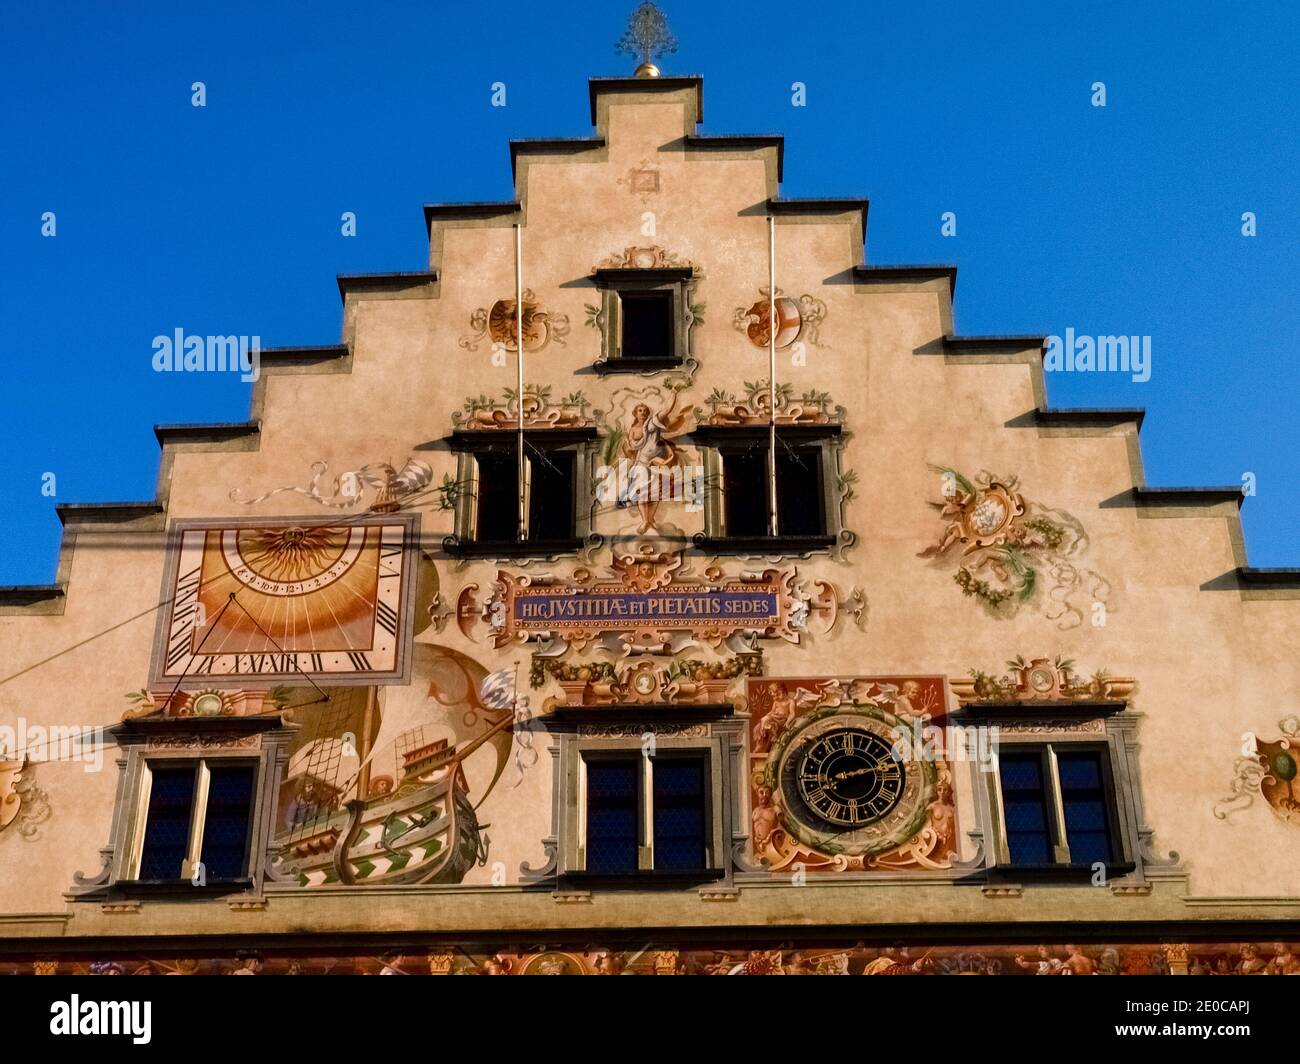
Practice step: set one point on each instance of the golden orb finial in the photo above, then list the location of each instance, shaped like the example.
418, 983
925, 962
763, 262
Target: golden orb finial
646, 36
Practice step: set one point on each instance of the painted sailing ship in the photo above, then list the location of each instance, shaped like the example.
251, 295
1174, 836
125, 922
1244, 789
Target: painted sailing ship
355, 822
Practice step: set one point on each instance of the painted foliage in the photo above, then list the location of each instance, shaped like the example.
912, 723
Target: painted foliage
1012, 553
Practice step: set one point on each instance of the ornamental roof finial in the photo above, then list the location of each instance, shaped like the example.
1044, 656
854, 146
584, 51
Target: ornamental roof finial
646, 36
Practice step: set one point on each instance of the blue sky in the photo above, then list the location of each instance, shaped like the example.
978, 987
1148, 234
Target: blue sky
225, 219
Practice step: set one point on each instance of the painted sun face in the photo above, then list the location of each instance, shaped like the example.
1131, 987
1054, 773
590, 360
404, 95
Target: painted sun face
279, 601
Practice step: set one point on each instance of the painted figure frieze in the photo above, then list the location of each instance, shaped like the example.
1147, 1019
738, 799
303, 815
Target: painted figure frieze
1012, 553
665, 958
836, 786
644, 467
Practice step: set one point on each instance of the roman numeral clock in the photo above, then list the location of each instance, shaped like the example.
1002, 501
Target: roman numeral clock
269, 602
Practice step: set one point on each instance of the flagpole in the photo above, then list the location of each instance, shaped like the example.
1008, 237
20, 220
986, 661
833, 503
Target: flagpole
771, 376
522, 525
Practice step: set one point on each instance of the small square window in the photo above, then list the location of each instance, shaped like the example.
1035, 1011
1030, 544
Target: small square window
646, 321
645, 318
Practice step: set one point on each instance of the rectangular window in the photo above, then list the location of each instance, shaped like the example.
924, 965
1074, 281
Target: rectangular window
613, 815
801, 504
632, 799
550, 494
1058, 805
646, 320
680, 814
744, 491
169, 823
196, 812
1085, 805
497, 518
228, 822
1025, 810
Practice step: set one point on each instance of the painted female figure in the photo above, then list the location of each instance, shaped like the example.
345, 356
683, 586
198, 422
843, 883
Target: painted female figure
647, 445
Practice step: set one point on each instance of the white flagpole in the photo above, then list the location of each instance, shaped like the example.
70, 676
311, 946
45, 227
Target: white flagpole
522, 527
771, 375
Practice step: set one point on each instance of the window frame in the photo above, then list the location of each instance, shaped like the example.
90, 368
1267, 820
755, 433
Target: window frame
1117, 802
470, 444
646, 807
202, 766
715, 441
717, 741
612, 283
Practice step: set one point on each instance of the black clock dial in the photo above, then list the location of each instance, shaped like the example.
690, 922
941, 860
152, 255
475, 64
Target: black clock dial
847, 778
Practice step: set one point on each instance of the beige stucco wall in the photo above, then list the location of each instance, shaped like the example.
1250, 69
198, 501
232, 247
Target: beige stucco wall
1211, 664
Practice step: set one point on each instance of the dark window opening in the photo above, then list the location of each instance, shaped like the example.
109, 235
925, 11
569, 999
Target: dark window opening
799, 498
168, 823
613, 815
551, 487
680, 814
498, 497
177, 811
647, 325
1085, 806
744, 492
228, 822
550, 495
1025, 809
1047, 814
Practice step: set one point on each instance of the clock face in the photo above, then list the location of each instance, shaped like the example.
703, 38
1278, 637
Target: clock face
849, 777
840, 784
287, 600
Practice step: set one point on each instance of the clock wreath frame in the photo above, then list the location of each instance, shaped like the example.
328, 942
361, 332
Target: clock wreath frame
893, 828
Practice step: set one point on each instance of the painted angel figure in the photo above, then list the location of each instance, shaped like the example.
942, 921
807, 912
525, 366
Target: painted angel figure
647, 445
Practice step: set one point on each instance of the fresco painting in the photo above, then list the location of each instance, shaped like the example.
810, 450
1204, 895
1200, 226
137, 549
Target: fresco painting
827, 793
1012, 553
1147, 958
